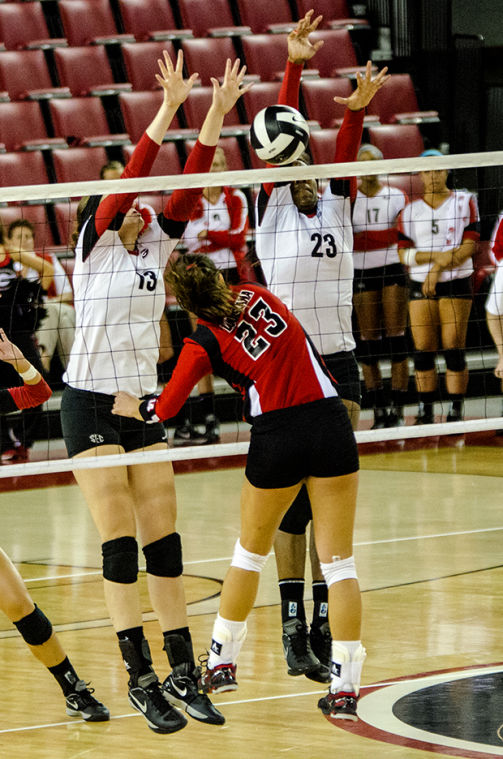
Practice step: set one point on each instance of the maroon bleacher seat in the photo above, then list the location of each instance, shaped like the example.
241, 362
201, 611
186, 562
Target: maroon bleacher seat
265, 54
264, 16
197, 105
82, 121
86, 70
232, 151
397, 140
24, 75
210, 18
261, 95
322, 145
150, 20
336, 13
23, 25
318, 95
22, 168
36, 215
140, 59
207, 56
65, 214
78, 164
138, 110
337, 56
397, 102
411, 184
167, 162
88, 22
22, 126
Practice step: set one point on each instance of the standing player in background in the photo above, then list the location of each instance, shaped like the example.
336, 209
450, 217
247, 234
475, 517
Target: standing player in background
437, 238
218, 229
112, 170
300, 434
380, 292
120, 258
494, 302
15, 601
305, 245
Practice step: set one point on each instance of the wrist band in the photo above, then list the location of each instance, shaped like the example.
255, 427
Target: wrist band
409, 257
29, 374
147, 409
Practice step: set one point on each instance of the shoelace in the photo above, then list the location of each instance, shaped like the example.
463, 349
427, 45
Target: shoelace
298, 641
158, 700
84, 692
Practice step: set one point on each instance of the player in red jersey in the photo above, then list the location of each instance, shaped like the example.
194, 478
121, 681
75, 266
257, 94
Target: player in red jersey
15, 601
301, 434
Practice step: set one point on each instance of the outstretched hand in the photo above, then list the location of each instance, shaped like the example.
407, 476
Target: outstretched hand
176, 88
300, 49
366, 88
225, 95
8, 351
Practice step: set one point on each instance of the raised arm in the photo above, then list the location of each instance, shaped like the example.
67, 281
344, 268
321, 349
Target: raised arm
300, 50
182, 203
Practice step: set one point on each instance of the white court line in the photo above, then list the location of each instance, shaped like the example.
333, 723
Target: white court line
455, 533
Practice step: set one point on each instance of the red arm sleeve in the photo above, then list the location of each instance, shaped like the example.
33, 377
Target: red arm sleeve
375, 240
498, 243
192, 365
28, 396
182, 203
139, 165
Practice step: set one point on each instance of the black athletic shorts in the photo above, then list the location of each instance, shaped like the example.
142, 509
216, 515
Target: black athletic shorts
454, 288
368, 280
87, 422
343, 367
287, 445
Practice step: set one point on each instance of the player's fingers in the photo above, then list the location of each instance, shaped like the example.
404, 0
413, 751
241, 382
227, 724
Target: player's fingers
342, 101
314, 25
318, 44
179, 62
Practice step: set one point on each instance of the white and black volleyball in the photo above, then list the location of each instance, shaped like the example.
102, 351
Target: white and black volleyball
279, 134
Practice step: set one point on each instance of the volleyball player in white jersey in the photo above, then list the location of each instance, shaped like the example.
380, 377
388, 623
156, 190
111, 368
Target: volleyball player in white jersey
121, 255
380, 291
494, 302
304, 242
437, 238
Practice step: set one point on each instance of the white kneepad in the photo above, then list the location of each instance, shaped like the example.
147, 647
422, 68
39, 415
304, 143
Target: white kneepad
243, 559
339, 569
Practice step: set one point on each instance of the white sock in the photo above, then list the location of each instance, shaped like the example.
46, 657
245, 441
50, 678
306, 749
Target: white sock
347, 662
227, 638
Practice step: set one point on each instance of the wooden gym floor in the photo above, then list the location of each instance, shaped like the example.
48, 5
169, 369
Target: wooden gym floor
428, 549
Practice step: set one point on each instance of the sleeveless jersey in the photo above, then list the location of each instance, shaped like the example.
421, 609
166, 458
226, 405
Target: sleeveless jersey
264, 354
441, 228
377, 213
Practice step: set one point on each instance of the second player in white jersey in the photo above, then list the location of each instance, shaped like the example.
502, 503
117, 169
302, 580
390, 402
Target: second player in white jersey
377, 214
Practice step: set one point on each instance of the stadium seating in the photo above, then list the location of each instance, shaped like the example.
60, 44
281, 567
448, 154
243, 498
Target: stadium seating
322, 145
82, 121
335, 14
140, 60
22, 127
264, 16
232, 150
87, 71
23, 25
78, 164
207, 56
318, 95
261, 95
213, 19
25, 75
265, 55
36, 215
397, 102
65, 214
152, 20
411, 184
167, 162
337, 57
397, 140
196, 107
88, 22
22, 168
138, 110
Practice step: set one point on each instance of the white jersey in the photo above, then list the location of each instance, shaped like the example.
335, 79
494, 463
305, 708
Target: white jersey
376, 213
216, 218
494, 302
440, 229
60, 284
307, 262
119, 301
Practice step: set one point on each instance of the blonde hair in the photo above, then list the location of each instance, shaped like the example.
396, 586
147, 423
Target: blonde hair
200, 288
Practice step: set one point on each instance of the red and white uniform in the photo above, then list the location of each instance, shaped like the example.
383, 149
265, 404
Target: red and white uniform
444, 228
494, 302
374, 227
308, 260
120, 295
226, 223
264, 354
60, 284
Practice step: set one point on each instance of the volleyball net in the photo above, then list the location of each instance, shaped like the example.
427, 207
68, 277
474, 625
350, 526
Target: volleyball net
51, 211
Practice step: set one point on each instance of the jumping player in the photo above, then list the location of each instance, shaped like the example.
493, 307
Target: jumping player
15, 601
494, 302
121, 253
300, 434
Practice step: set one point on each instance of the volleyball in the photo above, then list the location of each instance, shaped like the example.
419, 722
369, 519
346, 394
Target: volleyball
279, 134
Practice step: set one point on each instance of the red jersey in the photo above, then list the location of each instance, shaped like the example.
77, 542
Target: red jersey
263, 353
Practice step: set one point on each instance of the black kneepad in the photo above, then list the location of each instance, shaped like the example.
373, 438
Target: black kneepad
35, 628
424, 361
120, 560
369, 352
164, 556
298, 515
455, 359
398, 348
